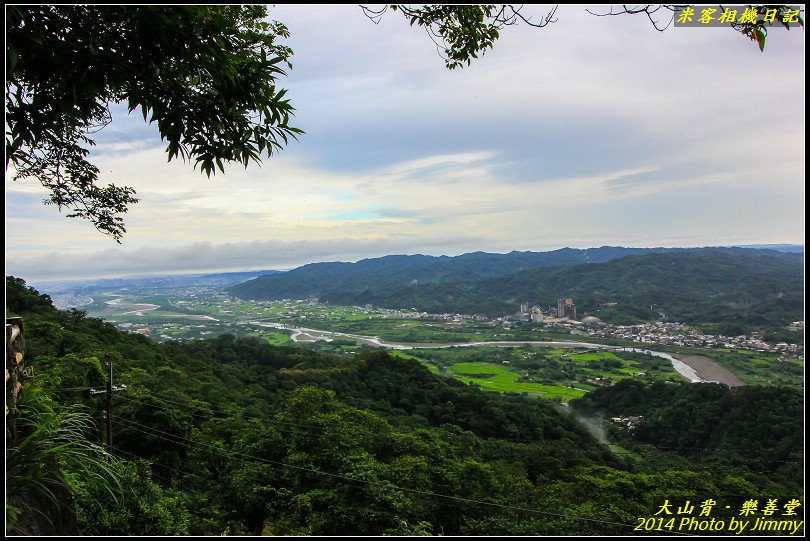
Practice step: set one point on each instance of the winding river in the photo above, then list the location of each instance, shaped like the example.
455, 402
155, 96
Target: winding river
302, 334
138, 309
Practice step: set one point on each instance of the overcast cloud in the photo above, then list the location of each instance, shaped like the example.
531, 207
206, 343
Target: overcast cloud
589, 132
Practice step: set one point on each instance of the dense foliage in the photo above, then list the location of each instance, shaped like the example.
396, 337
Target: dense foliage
760, 427
235, 436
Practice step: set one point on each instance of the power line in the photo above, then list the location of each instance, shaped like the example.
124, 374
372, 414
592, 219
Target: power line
280, 465
191, 443
244, 415
167, 481
649, 453
158, 464
616, 461
624, 459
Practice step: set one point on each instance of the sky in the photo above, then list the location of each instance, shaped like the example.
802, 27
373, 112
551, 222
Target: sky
591, 131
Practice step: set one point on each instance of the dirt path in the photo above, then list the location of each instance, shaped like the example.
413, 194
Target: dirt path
710, 370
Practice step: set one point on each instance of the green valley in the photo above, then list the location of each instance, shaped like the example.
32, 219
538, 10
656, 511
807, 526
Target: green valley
178, 313
235, 435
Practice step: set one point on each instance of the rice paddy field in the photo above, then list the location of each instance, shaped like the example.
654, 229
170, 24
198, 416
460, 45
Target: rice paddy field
545, 372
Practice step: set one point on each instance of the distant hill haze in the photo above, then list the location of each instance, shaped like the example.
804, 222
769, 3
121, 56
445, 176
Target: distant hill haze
792, 248
219, 279
736, 288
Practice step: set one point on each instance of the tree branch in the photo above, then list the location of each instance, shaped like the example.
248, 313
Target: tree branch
648, 10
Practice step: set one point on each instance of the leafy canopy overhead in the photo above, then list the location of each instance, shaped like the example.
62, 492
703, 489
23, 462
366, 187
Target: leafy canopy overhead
461, 32
205, 74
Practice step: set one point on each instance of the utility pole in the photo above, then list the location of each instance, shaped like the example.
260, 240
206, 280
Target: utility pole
109, 391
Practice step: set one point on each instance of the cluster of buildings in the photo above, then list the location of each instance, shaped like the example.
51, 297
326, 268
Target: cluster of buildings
629, 422
664, 333
173, 331
679, 334
565, 310
564, 315
65, 300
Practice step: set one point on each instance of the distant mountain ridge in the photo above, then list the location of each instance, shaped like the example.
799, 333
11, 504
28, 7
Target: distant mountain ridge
791, 248
327, 280
699, 285
735, 289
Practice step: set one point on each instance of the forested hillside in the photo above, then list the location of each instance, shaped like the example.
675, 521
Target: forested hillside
734, 290
233, 436
718, 422
728, 291
380, 275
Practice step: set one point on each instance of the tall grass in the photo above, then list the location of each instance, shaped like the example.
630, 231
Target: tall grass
51, 446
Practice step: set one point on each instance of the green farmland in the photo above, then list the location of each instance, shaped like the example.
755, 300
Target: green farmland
541, 371
495, 378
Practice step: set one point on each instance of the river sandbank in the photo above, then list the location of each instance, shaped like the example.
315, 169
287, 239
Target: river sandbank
709, 370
